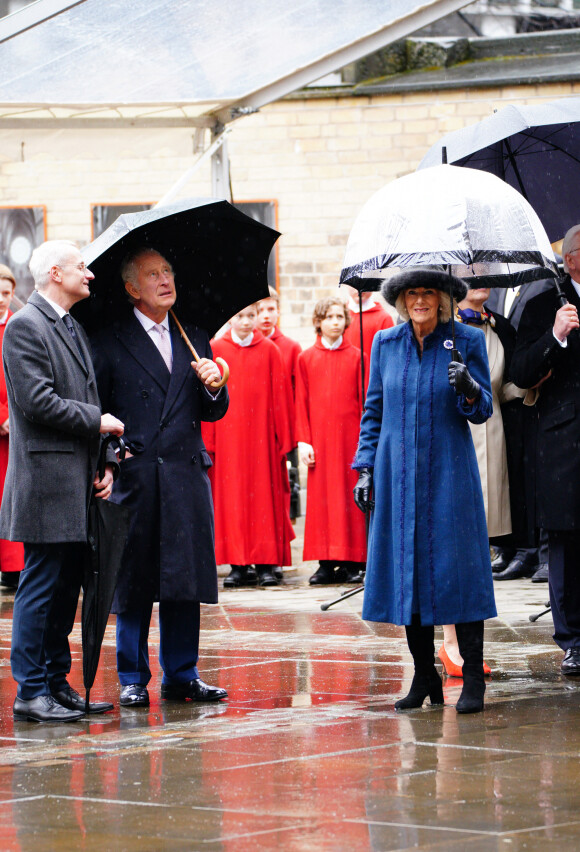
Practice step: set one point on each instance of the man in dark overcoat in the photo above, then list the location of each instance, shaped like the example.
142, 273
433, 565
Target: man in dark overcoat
146, 376
548, 347
523, 558
55, 426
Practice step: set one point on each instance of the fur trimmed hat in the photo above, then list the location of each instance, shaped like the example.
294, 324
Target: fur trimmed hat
422, 277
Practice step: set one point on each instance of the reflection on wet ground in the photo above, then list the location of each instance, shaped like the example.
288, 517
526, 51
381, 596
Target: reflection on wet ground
308, 753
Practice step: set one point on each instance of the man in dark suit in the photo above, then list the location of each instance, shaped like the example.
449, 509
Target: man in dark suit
548, 348
146, 376
55, 427
520, 427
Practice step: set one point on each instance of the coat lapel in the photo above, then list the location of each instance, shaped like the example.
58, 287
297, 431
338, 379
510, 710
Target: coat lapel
40, 302
138, 343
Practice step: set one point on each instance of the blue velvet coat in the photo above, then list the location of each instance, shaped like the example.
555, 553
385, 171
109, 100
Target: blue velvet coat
429, 516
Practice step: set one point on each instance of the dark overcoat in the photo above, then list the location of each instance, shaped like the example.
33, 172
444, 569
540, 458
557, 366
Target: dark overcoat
428, 527
170, 551
558, 408
55, 418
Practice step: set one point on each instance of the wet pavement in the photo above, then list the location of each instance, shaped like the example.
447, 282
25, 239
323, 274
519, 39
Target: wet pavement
308, 753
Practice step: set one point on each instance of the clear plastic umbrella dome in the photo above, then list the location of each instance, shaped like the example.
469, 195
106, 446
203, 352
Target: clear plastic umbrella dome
464, 219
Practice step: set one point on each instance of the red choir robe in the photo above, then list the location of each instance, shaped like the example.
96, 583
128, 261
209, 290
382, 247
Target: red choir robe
248, 447
290, 350
11, 552
328, 413
374, 319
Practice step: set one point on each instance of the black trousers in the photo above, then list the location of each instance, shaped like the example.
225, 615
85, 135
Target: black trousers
44, 612
564, 582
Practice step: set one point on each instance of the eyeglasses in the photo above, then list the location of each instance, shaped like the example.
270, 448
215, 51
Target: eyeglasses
82, 267
573, 250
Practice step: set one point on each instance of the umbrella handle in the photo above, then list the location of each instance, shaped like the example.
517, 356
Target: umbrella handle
219, 383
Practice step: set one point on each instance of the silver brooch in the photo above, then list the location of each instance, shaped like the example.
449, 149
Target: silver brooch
448, 344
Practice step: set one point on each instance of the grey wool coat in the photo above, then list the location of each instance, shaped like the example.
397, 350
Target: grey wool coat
55, 418
170, 550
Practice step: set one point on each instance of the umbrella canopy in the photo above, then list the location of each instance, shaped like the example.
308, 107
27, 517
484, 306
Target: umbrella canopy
535, 149
219, 256
464, 219
108, 526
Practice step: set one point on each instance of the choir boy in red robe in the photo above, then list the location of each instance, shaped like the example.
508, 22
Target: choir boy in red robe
374, 318
268, 318
11, 552
249, 446
328, 412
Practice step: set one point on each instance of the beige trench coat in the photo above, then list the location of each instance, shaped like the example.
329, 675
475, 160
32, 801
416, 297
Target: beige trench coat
489, 441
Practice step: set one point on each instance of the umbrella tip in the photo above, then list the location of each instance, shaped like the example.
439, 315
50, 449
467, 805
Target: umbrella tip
444, 155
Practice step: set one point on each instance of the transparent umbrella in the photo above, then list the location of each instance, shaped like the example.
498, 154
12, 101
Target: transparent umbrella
464, 219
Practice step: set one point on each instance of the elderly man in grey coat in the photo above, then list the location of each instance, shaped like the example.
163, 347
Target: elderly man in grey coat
55, 427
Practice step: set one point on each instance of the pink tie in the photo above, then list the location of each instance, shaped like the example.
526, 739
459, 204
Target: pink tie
165, 346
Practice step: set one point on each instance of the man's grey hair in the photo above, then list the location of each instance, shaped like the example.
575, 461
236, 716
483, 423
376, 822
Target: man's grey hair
444, 306
568, 244
49, 254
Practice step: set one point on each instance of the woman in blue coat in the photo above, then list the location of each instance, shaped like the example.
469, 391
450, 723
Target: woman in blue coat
428, 555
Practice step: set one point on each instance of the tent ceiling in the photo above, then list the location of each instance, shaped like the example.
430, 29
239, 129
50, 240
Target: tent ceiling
178, 62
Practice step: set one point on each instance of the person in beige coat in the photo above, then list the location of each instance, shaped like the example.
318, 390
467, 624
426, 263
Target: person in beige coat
490, 448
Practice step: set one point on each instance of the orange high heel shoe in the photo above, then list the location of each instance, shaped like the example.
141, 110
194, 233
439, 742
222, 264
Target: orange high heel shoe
452, 670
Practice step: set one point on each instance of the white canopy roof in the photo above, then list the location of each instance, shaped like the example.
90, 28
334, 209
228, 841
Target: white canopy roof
183, 62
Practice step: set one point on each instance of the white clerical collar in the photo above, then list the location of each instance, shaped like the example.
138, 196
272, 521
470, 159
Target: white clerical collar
328, 345
4, 319
247, 341
148, 323
366, 306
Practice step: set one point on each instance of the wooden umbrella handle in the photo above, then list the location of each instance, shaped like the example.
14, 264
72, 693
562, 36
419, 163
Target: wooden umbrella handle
226, 370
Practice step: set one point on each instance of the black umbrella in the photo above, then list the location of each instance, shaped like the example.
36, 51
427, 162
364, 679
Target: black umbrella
535, 149
108, 526
219, 256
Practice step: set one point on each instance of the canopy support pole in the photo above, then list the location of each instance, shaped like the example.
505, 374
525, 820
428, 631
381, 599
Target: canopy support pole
214, 148
220, 166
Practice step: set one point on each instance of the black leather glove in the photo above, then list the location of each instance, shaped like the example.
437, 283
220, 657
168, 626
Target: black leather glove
460, 379
362, 490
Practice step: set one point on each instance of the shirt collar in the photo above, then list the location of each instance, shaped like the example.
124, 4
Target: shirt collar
247, 341
4, 319
334, 345
60, 311
148, 323
366, 306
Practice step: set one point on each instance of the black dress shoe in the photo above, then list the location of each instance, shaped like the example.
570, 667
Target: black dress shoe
278, 573
43, 708
324, 576
241, 575
266, 577
10, 579
502, 560
134, 695
195, 690
571, 662
516, 569
541, 575
69, 697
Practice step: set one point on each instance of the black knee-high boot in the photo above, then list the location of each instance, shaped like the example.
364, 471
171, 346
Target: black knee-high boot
426, 681
470, 641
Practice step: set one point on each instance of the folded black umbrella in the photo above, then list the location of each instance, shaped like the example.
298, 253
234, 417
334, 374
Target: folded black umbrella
219, 257
108, 526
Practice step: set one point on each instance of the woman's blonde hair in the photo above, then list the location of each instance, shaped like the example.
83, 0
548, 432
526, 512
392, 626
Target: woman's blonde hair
444, 306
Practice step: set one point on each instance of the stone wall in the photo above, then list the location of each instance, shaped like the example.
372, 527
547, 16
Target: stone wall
320, 159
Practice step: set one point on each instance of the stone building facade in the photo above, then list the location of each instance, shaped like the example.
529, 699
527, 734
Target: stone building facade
319, 155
